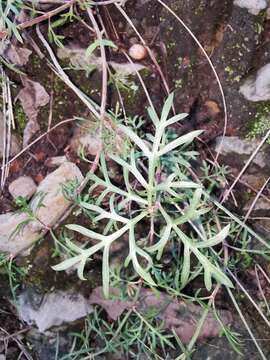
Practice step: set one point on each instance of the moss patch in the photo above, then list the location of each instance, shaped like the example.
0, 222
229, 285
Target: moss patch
261, 123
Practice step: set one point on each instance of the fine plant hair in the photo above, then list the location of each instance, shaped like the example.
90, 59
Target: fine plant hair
165, 201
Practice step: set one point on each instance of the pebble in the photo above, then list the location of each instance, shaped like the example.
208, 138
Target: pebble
137, 52
23, 186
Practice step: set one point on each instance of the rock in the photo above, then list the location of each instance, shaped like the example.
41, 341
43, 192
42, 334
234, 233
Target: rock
54, 309
15, 146
253, 6
257, 88
18, 232
182, 317
44, 345
219, 348
233, 146
23, 186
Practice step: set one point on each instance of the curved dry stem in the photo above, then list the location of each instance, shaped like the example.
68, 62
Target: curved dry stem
211, 65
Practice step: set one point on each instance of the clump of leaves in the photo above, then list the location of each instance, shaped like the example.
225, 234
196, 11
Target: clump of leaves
162, 201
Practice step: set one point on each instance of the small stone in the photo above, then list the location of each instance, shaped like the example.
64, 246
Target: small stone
23, 186
257, 88
253, 6
137, 52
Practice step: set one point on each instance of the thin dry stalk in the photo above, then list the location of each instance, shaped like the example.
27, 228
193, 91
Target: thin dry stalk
46, 16
8, 119
255, 200
257, 307
259, 268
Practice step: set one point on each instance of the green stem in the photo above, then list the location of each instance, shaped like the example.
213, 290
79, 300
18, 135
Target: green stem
152, 164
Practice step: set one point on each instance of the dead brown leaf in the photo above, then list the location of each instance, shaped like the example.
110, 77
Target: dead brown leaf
180, 316
114, 306
18, 55
32, 96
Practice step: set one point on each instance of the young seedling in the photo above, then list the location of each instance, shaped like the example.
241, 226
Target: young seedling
154, 203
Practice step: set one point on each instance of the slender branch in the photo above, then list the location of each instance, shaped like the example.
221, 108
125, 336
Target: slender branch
46, 16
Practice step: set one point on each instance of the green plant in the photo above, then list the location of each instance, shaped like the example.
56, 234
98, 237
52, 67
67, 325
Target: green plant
8, 10
151, 203
133, 336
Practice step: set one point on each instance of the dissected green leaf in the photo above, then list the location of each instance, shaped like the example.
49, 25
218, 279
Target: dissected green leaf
215, 240
91, 48
186, 266
185, 139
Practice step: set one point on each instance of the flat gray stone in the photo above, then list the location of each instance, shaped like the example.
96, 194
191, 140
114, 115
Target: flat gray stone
232, 146
23, 186
55, 309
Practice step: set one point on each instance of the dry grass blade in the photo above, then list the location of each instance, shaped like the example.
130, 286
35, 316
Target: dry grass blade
8, 119
150, 52
104, 65
60, 72
255, 200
